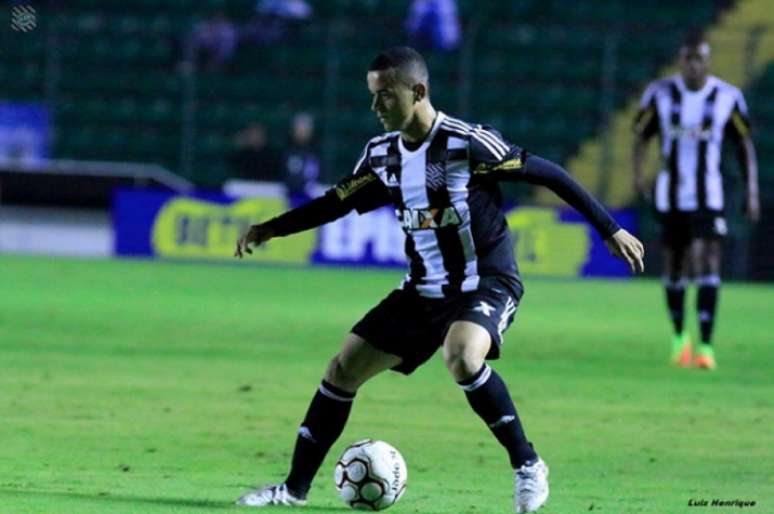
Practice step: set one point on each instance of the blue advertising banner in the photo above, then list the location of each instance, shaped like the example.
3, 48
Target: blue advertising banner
555, 242
200, 226
560, 242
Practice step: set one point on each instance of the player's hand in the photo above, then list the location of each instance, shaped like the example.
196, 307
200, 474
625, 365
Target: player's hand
753, 208
256, 235
627, 247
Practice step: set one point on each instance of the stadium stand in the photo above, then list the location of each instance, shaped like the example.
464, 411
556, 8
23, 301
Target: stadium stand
512, 71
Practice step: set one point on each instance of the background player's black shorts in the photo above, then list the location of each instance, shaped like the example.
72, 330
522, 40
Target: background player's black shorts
680, 228
414, 327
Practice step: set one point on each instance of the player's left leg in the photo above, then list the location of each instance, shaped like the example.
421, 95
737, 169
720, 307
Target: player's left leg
706, 255
464, 352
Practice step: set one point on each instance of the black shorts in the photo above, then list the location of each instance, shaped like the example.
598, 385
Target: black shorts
413, 327
680, 228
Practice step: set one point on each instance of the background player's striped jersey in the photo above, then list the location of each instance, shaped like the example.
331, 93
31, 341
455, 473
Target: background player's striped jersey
692, 125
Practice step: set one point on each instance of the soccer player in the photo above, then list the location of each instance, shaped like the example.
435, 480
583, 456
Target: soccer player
692, 111
462, 288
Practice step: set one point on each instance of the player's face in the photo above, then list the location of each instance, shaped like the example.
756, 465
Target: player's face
392, 100
694, 63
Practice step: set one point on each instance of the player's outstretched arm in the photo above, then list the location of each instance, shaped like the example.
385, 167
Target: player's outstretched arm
362, 191
620, 242
543, 172
495, 159
310, 215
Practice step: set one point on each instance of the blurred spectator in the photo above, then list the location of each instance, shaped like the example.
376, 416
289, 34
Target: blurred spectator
287, 9
25, 133
433, 25
272, 20
213, 42
302, 165
253, 158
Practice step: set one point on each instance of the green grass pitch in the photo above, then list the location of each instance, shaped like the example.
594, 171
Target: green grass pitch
148, 387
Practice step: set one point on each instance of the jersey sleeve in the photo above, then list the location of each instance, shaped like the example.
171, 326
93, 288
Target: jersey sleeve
738, 129
646, 121
739, 122
363, 190
491, 156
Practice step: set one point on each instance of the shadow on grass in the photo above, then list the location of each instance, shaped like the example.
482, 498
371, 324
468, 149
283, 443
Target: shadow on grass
170, 502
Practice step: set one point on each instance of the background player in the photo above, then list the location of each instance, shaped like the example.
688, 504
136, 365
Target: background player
462, 289
692, 111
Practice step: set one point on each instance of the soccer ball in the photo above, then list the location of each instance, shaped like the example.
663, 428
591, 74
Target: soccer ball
370, 475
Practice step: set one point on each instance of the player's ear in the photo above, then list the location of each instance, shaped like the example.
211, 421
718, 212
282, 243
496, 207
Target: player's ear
420, 92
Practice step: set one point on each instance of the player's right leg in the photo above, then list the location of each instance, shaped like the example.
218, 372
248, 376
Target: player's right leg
675, 280
357, 362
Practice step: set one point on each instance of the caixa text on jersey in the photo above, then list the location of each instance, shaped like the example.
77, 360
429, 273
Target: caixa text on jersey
425, 219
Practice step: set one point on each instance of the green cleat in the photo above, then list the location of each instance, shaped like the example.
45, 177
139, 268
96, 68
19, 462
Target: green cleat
705, 357
681, 350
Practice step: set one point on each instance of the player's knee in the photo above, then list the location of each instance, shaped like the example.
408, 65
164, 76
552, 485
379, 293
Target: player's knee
463, 358
343, 375
712, 264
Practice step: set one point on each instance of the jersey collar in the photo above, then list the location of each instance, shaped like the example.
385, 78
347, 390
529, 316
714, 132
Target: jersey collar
704, 90
429, 139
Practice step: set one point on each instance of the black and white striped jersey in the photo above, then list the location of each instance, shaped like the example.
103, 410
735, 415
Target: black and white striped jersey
455, 230
692, 125
447, 199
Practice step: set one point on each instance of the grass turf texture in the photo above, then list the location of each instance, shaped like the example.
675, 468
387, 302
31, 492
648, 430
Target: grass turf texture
146, 387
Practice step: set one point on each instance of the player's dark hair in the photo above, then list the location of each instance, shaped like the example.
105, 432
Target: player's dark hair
694, 40
409, 65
